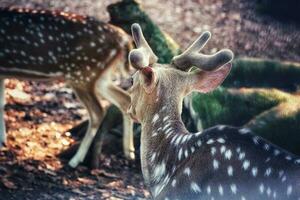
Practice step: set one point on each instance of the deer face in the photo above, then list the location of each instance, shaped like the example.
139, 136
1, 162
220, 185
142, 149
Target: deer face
154, 83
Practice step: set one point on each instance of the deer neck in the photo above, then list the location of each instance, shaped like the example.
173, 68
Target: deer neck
157, 154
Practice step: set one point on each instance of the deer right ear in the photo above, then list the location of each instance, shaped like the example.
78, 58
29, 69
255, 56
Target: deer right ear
149, 79
206, 81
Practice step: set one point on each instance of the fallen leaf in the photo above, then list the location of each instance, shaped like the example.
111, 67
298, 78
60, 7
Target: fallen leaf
86, 181
8, 184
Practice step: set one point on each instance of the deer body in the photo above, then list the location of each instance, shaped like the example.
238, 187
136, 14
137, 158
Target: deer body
221, 162
49, 45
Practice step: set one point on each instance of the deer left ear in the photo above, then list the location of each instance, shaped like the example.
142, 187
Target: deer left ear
149, 79
206, 81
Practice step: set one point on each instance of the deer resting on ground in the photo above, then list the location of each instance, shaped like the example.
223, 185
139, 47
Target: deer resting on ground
51, 45
222, 162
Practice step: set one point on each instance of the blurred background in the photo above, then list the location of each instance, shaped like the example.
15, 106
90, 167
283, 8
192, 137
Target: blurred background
261, 93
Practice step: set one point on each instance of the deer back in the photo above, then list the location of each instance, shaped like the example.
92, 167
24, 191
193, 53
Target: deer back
56, 43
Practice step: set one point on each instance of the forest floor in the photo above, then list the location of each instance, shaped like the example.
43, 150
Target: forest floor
38, 115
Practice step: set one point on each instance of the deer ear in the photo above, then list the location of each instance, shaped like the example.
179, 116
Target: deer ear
149, 79
206, 81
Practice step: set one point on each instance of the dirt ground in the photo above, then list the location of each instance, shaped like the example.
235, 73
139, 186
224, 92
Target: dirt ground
38, 115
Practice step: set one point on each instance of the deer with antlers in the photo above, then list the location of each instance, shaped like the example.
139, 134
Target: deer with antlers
52, 45
221, 162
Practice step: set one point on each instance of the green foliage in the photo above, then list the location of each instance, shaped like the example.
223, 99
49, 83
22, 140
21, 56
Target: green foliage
127, 12
264, 73
270, 113
281, 125
234, 107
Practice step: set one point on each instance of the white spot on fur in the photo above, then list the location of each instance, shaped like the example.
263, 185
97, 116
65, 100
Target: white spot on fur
222, 149
244, 131
288, 158
166, 118
246, 164
208, 190
261, 188
195, 187
186, 153
210, 141
233, 188
215, 164
187, 171
185, 137
159, 171
199, 143
180, 154
198, 134
256, 140
173, 183
154, 134
153, 156
155, 118
267, 147
269, 191
228, 154
192, 149
220, 188
213, 151
230, 171
268, 172
221, 140
178, 139
242, 156
283, 179
289, 190
276, 152
254, 171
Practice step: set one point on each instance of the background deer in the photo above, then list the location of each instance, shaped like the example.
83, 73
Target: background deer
221, 162
51, 45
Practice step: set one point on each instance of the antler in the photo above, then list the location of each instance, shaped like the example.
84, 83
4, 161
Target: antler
191, 57
142, 56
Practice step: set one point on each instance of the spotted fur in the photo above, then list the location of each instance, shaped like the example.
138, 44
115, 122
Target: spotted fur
83, 51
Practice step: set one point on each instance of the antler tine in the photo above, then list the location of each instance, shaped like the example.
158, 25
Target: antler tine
142, 56
191, 57
199, 43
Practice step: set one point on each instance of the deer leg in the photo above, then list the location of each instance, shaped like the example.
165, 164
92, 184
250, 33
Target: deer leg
2, 122
128, 139
121, 99
96, 115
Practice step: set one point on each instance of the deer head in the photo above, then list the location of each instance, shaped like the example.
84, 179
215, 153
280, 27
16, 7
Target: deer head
154, 82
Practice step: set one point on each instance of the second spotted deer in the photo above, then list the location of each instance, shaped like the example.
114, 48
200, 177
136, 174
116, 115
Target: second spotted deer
85, 52
221, 162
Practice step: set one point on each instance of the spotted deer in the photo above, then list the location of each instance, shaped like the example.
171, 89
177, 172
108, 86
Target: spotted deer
221, 162
86, 53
